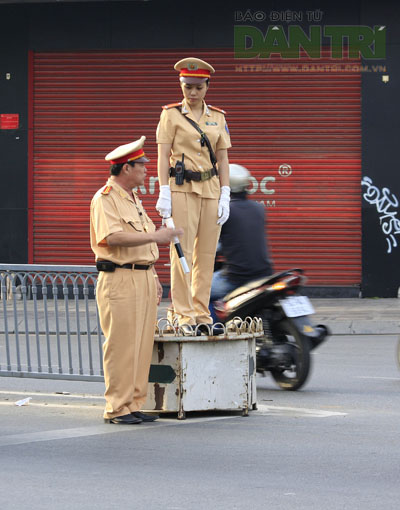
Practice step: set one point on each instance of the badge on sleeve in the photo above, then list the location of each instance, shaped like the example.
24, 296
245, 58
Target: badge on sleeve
226, 129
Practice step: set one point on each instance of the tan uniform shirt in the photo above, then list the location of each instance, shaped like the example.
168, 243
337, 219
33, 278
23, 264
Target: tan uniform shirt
114, 210
173, 128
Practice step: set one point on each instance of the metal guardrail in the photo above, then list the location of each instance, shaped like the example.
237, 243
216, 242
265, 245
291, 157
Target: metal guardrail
49, 323
50, 327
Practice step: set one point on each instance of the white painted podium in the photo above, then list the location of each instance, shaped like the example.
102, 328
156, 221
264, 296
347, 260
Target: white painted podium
204, 373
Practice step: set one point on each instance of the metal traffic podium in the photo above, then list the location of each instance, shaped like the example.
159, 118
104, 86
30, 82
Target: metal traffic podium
206, 372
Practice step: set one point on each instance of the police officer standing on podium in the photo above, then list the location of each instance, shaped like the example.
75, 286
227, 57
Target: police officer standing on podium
193, 171
124, 241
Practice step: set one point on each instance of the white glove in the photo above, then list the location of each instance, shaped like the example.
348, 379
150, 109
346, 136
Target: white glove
163, 204
223, 205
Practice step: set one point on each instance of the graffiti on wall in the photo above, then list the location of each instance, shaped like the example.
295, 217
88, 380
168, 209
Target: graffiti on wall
386, 204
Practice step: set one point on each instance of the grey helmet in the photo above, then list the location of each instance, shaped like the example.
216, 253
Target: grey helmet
239, 178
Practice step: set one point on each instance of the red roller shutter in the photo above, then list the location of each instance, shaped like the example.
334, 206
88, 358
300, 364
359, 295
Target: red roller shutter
87, 103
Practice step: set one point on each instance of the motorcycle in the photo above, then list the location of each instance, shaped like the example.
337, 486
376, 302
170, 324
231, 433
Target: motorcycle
289, 336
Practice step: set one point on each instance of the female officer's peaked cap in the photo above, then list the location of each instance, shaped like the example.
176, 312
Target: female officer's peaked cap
193, 70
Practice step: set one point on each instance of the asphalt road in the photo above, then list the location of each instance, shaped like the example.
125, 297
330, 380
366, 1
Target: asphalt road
333, 445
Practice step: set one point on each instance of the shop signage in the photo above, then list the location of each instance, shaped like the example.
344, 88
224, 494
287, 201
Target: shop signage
9, 120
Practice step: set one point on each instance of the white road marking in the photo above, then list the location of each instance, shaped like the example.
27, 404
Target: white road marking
51, 435
297, 411
40, 394
376, 377
45, 404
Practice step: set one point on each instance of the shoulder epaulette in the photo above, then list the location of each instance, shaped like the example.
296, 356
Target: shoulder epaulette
106, 190
172, 105
217, 109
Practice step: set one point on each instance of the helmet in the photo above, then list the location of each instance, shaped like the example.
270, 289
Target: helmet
239, 178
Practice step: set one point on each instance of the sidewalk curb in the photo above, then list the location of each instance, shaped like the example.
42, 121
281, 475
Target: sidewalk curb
358, 327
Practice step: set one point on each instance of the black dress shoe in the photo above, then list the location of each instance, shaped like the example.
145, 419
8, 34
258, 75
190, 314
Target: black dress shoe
209, 329
145, 417
127, 419
203, 329
217, 330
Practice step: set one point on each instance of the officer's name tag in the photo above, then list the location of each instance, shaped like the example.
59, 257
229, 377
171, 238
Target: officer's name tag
211, 123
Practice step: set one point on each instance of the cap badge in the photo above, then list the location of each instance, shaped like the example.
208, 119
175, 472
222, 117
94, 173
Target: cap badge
192, 66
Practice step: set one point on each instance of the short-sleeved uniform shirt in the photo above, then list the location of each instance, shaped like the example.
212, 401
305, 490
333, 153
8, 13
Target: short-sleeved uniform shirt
114, 210
173, 128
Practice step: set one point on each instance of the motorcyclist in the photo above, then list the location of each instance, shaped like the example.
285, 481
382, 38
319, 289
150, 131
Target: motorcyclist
242, 240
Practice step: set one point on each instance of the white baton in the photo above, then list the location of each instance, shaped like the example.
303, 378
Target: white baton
169, 222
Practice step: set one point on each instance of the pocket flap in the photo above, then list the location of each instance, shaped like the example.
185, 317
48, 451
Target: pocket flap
134, 223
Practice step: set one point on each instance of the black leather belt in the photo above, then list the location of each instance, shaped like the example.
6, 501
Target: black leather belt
109, 267
135, 266
189, 175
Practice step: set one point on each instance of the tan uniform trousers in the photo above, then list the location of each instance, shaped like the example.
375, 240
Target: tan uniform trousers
127, 304
191, 292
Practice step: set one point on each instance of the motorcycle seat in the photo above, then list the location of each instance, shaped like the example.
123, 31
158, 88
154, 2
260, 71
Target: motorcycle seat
254, 284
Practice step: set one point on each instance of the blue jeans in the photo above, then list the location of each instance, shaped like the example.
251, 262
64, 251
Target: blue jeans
220, 287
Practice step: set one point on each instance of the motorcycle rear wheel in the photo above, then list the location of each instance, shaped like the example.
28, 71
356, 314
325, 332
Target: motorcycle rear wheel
296, 376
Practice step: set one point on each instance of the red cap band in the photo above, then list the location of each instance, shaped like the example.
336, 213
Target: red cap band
198, 73
129, 157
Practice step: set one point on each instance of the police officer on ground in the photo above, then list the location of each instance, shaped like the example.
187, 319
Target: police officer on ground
242, 241
124, 241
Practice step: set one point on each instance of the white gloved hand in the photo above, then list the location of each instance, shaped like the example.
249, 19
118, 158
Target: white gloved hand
163, 205
223, 205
